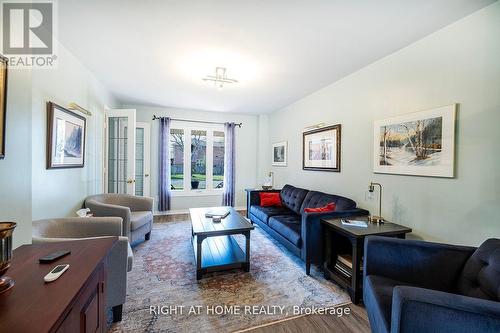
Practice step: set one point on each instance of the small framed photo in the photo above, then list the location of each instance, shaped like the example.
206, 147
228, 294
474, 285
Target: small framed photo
321, 149
280, 151
65, 138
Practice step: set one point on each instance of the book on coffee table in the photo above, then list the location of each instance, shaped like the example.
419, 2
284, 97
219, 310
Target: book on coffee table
219, 212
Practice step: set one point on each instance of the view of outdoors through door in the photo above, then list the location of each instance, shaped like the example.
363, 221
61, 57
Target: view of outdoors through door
117, 155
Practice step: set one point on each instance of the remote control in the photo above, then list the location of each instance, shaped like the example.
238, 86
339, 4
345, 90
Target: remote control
53, 256
55, 273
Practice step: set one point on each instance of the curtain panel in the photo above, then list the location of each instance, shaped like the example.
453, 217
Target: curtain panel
164, 185
228, 196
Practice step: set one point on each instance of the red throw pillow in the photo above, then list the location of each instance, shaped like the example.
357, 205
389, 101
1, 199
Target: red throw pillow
328, 208
270, 199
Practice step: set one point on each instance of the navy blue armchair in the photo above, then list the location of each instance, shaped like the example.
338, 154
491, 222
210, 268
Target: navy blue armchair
416, 286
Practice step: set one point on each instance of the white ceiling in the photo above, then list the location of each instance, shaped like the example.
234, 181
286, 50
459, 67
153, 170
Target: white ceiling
155, 52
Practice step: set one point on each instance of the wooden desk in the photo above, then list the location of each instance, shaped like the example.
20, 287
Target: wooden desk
341, 239
73, 303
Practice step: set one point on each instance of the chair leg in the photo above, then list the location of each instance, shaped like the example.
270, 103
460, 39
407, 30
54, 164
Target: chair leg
117, 313
147, 236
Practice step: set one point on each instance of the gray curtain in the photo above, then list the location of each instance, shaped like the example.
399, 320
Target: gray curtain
229, 163
164, 165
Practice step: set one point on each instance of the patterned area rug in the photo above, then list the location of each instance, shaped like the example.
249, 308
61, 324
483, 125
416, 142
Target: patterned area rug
164, 276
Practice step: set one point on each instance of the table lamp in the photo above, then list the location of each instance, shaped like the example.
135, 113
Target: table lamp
371, 189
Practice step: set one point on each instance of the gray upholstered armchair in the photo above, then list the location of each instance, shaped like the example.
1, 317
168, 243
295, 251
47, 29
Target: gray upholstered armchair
119, 261
136, 212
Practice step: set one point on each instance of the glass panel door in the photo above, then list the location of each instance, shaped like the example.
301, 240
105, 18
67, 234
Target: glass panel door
120, 164
142, 156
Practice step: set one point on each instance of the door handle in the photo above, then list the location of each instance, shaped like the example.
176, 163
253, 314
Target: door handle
130, 181
146, 175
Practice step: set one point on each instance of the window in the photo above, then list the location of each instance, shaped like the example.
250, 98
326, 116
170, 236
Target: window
177, 159
196, 158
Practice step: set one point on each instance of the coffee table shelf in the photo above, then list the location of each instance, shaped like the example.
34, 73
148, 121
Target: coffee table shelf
221, 252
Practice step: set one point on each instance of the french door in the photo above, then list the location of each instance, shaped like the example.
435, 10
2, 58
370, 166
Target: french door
142, 159
120, 175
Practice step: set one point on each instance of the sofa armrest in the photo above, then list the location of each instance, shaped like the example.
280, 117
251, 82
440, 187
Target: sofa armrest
139, 204
312, 236
428, 265
100, 209
424, 310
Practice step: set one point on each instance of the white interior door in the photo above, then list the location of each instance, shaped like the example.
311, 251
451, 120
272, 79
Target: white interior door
142, 159
120, 152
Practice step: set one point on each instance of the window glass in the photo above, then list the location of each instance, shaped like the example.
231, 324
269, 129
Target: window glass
198, 159
218, 160
177, 158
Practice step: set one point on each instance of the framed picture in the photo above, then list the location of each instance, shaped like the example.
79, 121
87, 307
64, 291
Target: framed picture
65, 138
3, 103
321, 149
420, 144
280, 153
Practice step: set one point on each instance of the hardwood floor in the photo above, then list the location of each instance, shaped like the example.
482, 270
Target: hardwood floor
180, 217
355, 322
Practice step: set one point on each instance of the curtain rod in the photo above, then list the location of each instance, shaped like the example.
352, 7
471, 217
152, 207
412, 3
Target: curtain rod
196, 121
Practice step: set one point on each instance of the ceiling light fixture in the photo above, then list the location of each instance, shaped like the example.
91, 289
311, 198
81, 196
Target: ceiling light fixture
220, 78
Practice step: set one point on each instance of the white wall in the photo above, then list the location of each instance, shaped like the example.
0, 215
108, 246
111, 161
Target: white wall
246, 152
15, 169
60, 192
458, 64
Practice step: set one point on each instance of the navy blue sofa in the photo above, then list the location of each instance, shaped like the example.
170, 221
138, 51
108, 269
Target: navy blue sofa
298, 231
416, 286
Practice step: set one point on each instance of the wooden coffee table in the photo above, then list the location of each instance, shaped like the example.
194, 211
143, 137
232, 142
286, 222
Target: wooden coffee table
215, 248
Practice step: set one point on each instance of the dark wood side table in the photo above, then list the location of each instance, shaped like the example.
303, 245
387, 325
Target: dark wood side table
73, 303
349, 241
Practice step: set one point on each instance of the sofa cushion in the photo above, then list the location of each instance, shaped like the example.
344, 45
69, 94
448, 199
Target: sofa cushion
315, 199
287, 226
481, 274
377, 296
292, 197
264, 213
138, 219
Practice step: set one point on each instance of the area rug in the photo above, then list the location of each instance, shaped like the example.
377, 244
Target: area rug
164, 295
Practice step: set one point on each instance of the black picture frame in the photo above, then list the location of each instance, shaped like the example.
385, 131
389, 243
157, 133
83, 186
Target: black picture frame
51, 163
338, 134
3, 103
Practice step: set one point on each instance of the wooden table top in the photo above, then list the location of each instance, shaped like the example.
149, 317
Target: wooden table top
233, 223
32, 302
386, 228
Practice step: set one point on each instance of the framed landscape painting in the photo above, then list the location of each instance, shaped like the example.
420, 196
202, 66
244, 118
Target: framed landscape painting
420, 144
65, 138
321, 149
3, 103
280, 153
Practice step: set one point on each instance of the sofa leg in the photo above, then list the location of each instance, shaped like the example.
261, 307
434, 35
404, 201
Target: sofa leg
147, 236
117, 313
308, 269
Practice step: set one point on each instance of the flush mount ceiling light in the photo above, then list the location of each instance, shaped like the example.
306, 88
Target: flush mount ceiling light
220, 78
